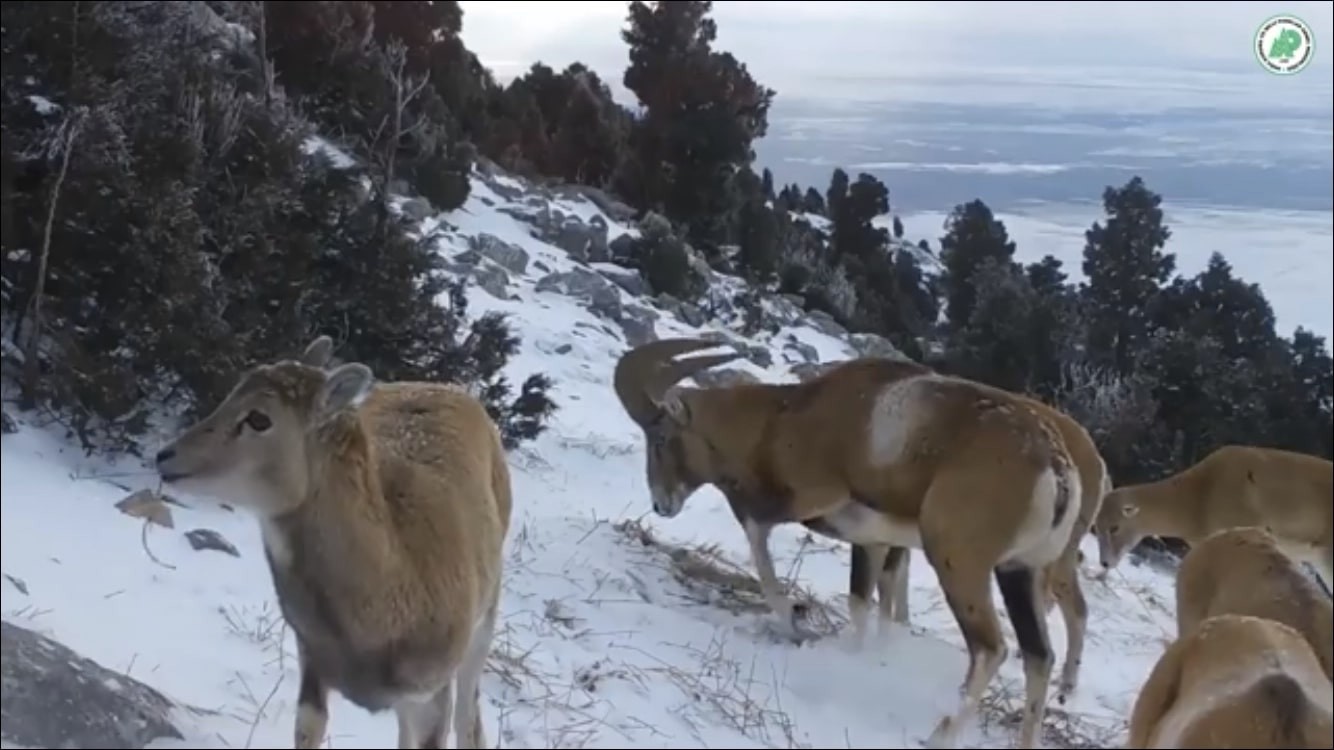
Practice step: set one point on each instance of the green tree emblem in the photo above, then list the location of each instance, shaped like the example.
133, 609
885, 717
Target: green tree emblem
1285, 45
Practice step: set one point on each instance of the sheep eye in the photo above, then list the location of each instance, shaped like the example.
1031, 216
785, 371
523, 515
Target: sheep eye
258, 421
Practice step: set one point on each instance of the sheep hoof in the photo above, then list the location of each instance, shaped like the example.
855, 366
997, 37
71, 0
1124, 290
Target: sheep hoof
789, 629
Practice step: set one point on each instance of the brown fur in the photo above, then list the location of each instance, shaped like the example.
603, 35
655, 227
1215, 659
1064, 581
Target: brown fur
1244, 572
961, 481
1234, 486
1235, 681
384, 510
1063, 585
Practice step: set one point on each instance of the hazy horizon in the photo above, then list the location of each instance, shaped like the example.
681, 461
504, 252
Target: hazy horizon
1031, 112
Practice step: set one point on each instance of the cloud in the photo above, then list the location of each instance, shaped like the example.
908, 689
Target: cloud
833, 47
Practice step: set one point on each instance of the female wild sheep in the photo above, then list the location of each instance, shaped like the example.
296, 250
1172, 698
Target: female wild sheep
878, 452
1244, 572
885, 569
384, 511
1232, 487
1235, 681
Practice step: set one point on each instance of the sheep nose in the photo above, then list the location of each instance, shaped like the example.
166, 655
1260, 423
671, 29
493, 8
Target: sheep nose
165, 455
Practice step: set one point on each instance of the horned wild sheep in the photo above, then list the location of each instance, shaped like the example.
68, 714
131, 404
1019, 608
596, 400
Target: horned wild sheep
886, 568
384, 510
1244, 572
1234, 486
876, 452
1235, 681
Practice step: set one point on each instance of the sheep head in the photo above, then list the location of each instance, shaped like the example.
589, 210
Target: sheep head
645, 380
255, 449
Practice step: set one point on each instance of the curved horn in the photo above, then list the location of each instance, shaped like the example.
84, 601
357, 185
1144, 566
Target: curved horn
640, 372
680, 369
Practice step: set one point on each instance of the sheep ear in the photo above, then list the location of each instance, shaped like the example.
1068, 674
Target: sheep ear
676, 407
318, 352
345, 387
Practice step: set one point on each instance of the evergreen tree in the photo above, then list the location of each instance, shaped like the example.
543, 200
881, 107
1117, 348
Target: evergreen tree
1126, 267
972, 237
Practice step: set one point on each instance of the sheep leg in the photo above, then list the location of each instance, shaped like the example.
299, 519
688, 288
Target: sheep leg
892, 587
1074, 610
1021, 589
423, 721
468, 732
862, 575
312, 711
967, 588
787, 611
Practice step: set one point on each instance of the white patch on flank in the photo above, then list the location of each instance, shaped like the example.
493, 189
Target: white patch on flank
859, 524
898, 411
1038, 542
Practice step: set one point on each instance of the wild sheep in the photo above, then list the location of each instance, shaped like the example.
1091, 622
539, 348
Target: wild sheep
1235, 681
1234, 486
383, 510
1062, 576
876, 452
1245, 572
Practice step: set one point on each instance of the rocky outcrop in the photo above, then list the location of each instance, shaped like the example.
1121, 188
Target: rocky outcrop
52, 697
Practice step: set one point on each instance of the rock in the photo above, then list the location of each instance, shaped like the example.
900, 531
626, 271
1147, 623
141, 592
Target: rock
637, 325
630, 281
202, 539
575, 238
760, 355
875, 345
807, 370
825, 324
486, 273
55, 698
564, 349
149, 505
598, 251
802, 350
621, 249
486, 167
504, 189
7, 425
493, 280
416, 209
690, 314
617, 210
507, 255
598, 293
722, 377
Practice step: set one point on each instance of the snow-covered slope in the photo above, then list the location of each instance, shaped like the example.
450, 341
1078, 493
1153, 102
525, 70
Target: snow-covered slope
619, 629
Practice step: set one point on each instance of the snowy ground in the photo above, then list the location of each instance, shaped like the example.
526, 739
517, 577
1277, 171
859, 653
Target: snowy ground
619, 629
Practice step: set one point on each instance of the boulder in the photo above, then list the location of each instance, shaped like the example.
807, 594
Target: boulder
52, 697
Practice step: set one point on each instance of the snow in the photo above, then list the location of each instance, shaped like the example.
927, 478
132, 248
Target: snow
605, 641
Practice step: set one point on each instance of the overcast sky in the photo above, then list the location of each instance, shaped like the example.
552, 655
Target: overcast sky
829, 47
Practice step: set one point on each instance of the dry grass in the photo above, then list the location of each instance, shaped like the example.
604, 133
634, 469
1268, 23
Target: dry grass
710, 579
1002, 707
719, 690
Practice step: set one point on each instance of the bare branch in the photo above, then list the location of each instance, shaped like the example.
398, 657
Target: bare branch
64, 145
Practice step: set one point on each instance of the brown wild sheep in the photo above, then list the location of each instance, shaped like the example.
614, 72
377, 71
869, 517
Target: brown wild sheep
1236, 681
384, 510
1291, 494
876, 452
1244, 572
1063, 585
